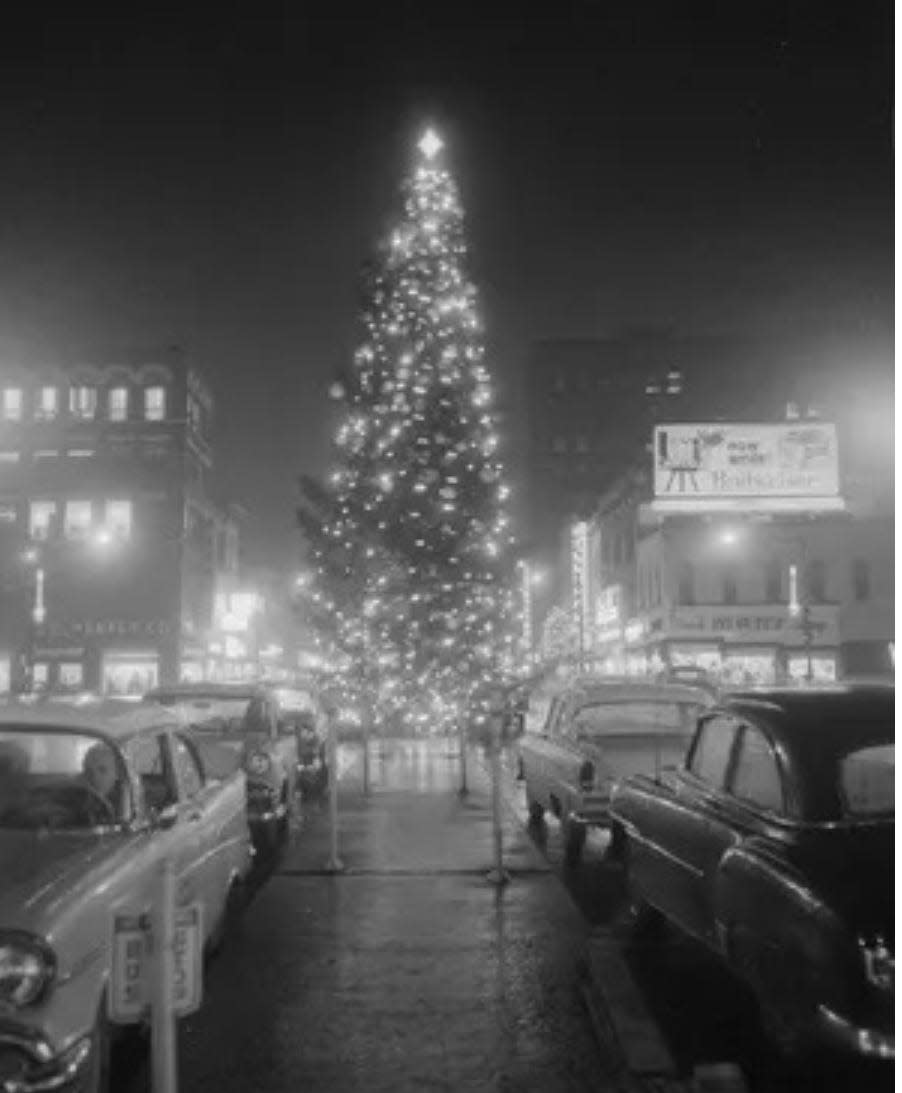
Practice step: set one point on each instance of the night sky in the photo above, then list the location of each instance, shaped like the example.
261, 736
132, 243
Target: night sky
214, 181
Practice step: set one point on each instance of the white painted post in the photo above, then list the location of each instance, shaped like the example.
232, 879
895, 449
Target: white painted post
334, 864
164, 1071
497, 875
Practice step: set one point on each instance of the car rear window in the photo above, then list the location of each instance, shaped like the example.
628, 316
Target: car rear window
626, 718
867, 781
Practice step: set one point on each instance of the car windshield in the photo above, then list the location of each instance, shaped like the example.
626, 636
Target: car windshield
626, 718
867, 781
59, 780
227, 715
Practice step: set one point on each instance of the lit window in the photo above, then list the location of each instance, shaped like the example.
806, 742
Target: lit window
83, 402
78, 519
71, 673
9, 456
46, 453
118, 404
41, 515
155, 403
40, 673
81, 453
11, 404
119, 519
46, 404
7, 514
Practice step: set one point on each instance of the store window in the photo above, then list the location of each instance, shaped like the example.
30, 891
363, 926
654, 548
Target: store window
41, 517
756, 779
816, 582
46, 403
118, 404
127, 674
80, 453
155, 403
861, 580
686, 583
711, 752
773, 582
118, 519
8, 455
78, 519
71, 674
83, 402
40, 675
46, 453
11, 404
730, 589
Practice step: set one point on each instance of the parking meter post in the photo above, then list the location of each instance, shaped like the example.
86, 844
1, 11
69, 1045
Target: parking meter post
497, 875
334, 864
164, 1075
462, 737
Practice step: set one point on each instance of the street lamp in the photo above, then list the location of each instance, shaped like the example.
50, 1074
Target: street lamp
530, 578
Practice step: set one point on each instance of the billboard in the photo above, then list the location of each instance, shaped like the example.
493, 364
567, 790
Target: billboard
718, 462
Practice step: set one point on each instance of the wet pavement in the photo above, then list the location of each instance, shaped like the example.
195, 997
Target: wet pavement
409, 971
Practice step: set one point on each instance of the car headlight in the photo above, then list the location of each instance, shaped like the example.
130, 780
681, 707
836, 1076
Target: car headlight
27, 967
879, 963
258, 762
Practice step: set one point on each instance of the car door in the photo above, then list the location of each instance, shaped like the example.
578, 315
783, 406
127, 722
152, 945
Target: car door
752, 792
682, 824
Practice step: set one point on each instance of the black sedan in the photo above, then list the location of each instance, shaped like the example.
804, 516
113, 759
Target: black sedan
773, 845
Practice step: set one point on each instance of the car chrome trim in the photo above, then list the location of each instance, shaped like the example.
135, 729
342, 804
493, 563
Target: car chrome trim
694, 870
873, 1043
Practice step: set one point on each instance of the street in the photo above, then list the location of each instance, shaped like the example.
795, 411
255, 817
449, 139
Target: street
410, 972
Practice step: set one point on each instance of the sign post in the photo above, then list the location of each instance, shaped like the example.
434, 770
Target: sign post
334, 863
497, 874
157, 962
164, 1071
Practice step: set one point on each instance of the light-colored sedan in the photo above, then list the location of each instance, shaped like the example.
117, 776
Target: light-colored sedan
92, 799
596, 731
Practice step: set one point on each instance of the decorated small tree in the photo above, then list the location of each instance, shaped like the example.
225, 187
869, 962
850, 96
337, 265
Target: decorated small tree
412, 543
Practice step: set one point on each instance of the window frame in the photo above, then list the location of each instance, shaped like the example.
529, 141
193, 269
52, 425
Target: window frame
76, 408
84, 533
706, 719
49, 505
745, 726
113, 414
150, 411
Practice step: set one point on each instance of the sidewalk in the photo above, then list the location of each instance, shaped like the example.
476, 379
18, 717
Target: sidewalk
409, 971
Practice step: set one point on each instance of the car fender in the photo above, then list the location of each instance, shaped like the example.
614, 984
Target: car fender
771, 924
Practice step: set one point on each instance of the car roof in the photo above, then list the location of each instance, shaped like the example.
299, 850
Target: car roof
114, 718
613, 690
210, 690
815, 727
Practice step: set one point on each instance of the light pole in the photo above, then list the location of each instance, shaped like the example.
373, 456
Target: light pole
530, 578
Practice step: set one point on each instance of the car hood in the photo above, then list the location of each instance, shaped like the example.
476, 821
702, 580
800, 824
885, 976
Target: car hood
851, 867
40, 872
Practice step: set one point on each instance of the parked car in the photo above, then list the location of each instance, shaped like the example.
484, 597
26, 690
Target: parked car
245, 718
91, 801
773, 845
299, 711
596, 731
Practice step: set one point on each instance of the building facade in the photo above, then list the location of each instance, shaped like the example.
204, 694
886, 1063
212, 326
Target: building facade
111, 545
757, 572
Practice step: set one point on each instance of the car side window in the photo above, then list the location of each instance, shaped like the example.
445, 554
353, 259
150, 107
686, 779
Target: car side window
553, 717
710, 758
149, 758
188, 766
256, 718
756, 778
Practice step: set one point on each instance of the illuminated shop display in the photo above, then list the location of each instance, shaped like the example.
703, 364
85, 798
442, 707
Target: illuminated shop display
130, 673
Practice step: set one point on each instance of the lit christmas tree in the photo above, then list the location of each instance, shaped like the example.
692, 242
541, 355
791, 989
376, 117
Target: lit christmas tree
411, 542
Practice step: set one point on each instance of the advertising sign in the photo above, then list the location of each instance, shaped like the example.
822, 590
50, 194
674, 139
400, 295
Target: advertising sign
715, 461
761, 624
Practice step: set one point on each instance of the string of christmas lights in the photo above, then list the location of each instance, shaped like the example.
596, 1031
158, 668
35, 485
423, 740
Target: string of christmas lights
412, 541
